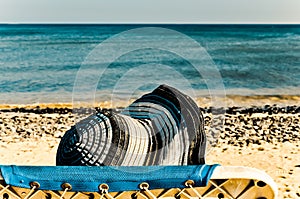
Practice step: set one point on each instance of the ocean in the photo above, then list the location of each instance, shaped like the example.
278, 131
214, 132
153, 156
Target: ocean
45, 63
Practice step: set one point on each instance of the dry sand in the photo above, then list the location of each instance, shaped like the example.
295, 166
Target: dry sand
28, 138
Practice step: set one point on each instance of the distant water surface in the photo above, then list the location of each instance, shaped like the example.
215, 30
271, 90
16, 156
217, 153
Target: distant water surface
39, 63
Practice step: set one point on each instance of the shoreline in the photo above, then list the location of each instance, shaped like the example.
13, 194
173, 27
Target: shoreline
204, 102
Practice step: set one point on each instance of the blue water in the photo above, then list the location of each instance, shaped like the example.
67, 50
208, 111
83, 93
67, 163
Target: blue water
39, 63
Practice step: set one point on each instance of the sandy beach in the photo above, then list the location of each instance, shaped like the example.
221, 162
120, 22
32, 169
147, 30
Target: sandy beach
264, 136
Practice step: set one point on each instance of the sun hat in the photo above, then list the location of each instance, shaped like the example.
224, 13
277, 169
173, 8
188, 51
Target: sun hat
164, 127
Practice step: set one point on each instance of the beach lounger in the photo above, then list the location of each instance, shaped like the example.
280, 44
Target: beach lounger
195, 181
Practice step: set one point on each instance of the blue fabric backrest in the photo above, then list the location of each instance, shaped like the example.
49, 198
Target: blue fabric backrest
87, 179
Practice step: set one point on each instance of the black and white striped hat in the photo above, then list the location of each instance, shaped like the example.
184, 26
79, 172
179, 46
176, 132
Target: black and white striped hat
164, 127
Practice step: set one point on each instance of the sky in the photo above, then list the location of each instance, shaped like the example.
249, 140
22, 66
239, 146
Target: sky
150, 11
